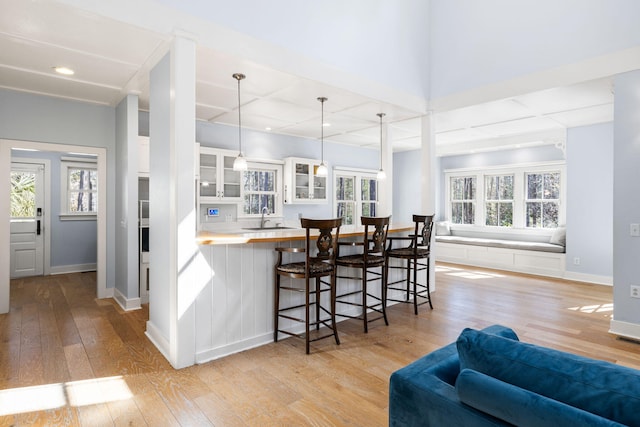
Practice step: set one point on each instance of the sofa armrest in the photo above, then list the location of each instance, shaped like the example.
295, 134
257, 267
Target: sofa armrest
423, 392
521, 407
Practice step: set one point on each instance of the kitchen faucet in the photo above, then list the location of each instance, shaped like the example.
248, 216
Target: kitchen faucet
265, 210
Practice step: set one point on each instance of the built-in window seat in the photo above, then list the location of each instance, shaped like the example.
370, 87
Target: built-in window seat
538, 252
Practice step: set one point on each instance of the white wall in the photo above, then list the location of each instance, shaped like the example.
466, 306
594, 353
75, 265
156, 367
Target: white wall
389, 39
159, 223
480, 43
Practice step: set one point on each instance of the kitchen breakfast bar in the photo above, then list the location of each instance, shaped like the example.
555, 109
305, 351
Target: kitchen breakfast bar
234, 303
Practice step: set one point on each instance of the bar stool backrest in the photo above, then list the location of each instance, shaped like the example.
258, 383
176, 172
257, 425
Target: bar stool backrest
424, 228
375, 234
326, 243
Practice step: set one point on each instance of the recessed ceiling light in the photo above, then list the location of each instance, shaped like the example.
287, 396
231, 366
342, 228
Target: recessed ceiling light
267, 128
64, 70
326, 125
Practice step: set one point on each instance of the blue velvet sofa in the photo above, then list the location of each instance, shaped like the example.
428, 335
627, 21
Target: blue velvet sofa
490, 378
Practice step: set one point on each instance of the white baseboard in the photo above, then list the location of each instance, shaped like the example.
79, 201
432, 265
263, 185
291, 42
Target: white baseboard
73, 268
127, 304
235, 347
625, 329
589, 278
158, 340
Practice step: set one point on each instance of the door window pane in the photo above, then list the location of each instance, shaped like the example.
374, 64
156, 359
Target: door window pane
23, 195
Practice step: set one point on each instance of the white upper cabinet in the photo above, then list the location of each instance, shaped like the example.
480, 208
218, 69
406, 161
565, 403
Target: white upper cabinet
301, 182
217, 179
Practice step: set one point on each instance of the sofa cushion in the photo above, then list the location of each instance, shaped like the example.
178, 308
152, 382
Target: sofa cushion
520, 407
599, 387
501, 243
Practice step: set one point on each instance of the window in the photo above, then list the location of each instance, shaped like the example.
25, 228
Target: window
79, 188
356, 195
542, 199
345, 198
510, 197
261, 188
498, 200
369, 196
463, 203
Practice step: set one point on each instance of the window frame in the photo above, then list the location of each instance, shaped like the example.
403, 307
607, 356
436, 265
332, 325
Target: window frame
67, 163
519, 172
358, 175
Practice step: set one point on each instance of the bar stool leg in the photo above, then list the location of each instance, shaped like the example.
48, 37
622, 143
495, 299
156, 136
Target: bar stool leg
333, 308
276, 307
383, 296
306, 314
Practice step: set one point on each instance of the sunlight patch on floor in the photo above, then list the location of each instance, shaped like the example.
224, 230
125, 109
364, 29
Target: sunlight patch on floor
74, 393
466, 274
594, 308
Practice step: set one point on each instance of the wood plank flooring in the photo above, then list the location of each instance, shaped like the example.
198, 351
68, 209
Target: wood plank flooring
83, 361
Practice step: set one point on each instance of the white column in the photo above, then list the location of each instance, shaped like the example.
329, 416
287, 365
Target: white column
428, 155
428, 181
386, 186
172, 218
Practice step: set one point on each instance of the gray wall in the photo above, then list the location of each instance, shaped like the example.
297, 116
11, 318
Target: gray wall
266, 145
37, 118
626, 197
407, 199
589, 166
590, 199
72, 242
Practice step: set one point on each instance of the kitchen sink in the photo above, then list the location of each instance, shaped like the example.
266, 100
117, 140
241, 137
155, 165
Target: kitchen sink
278, 227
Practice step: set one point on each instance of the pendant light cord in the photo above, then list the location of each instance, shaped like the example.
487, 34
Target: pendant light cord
239, 120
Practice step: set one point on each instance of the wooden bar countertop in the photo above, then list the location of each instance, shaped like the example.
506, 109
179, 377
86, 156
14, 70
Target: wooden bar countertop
279, 235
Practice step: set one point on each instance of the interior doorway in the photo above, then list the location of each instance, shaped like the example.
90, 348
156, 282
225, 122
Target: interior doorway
101, 218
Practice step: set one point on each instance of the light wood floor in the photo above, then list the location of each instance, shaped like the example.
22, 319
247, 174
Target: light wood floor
57, 335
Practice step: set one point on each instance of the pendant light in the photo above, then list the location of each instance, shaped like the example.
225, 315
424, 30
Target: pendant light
381, 174
322, 169
240, 163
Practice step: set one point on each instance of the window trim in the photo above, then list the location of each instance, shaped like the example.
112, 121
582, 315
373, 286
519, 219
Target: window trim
74, 162
519, 200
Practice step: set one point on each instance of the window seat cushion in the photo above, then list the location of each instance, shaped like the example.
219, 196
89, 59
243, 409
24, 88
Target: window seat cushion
502, 243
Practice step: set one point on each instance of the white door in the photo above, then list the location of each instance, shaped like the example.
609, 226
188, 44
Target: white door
27, 220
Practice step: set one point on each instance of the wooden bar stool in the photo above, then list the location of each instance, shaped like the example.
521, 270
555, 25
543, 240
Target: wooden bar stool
417, 256
371, 258
320, 253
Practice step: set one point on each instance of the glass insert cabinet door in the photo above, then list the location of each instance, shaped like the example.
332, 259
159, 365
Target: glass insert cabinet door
208, 175
231, 178
302, 180
319, 184
217, 177
307, 185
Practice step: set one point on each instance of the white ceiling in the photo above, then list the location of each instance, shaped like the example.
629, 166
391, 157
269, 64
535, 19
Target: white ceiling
112, 59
